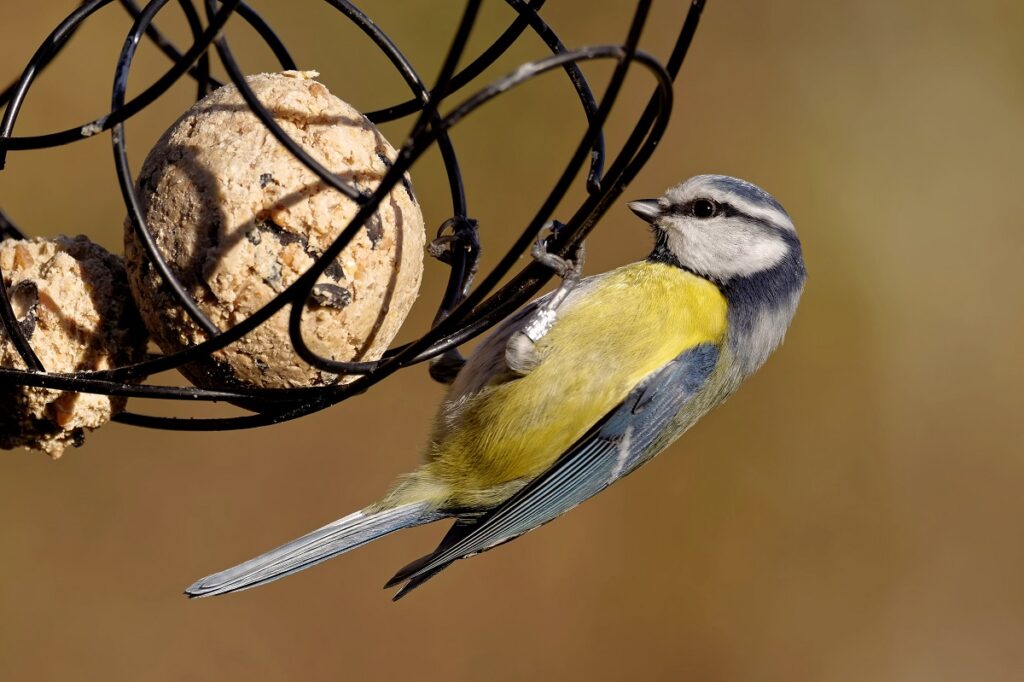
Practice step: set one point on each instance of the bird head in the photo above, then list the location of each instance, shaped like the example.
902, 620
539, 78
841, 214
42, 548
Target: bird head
723, 229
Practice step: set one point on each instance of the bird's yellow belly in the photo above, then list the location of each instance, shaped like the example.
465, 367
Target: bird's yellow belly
626, 325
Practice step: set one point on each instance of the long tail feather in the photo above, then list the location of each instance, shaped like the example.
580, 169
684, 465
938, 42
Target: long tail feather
333, 539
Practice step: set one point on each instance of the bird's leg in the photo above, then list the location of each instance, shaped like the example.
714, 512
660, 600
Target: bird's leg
459, 249
521, 349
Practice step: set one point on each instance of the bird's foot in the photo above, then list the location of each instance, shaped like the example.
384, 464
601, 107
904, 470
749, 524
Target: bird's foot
567, 269
457, 244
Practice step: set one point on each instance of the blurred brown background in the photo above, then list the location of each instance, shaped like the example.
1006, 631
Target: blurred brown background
854, 513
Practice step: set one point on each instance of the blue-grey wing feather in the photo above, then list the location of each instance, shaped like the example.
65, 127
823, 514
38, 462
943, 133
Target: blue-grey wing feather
614, 447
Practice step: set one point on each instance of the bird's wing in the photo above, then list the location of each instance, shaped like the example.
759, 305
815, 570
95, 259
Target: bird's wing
616, 445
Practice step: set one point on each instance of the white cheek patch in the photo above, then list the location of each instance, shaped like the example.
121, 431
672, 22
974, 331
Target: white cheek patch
724, 249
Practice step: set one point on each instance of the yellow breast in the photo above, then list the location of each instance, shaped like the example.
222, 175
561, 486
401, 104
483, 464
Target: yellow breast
626, 325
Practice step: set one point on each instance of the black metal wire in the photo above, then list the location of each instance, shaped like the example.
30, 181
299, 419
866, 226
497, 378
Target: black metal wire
124, 175
201, 71
464, 310
8, 230
428, 116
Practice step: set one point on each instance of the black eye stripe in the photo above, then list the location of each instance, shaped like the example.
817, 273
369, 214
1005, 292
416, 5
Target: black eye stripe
722, 208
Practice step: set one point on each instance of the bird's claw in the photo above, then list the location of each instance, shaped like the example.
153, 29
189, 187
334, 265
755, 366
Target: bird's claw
462, 235
563, 267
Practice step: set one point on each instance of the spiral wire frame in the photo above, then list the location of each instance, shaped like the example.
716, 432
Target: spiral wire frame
465, 311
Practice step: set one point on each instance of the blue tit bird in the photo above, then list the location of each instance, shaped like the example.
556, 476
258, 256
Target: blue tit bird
584, 385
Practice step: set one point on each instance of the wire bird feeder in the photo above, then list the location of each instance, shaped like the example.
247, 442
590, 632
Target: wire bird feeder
464, 311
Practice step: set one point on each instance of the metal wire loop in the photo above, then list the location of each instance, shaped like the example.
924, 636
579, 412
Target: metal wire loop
467, 308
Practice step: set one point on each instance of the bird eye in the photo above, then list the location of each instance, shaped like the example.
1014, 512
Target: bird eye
704, 208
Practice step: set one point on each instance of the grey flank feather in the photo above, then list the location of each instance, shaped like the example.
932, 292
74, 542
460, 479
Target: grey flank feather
333, 539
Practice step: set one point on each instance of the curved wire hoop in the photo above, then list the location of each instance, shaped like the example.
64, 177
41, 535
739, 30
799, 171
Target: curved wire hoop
464, 310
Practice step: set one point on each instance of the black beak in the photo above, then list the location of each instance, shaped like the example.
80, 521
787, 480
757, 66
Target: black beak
647, 209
